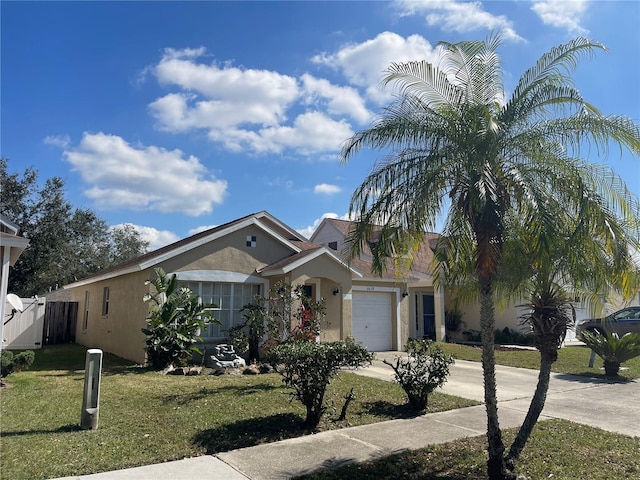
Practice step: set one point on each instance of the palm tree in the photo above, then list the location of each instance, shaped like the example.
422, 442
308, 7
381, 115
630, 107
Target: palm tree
453, 140
556, 268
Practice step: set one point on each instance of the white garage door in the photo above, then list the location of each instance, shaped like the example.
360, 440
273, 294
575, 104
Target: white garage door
372, 320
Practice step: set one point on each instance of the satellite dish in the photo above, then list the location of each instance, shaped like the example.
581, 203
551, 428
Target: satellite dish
15, 302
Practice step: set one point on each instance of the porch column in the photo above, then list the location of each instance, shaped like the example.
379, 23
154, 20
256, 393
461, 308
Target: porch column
438, 303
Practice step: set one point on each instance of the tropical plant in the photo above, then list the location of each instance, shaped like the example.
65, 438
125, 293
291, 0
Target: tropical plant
308, 367
425, 369
175, 319
612, 349
499, 164
585, 261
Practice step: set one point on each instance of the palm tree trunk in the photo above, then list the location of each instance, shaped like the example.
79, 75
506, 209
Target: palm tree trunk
496, 466
535, 408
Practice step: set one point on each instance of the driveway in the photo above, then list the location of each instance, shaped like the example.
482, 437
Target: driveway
600, 403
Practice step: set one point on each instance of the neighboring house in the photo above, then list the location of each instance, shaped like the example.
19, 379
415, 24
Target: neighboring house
11, 247
389, 309
229, 264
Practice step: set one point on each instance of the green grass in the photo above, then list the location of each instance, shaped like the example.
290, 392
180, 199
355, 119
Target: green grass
146, 417
572, 360
558, 449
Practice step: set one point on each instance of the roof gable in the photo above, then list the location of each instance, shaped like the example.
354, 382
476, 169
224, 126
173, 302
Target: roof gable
263, 220
309, 252
338, 230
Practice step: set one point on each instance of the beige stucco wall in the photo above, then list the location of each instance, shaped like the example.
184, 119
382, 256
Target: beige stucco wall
230, 253
505, 316
327, 275
119, 332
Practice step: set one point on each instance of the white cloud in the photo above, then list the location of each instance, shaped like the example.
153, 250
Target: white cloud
57, 140
248, 109
311, 132
308, 231
562, 14
340, 100
326, 189
156, 238
363, 64
146, 178
459, 16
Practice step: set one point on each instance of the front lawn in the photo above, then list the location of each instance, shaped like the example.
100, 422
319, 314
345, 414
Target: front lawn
573, 360
149, 418
558, 449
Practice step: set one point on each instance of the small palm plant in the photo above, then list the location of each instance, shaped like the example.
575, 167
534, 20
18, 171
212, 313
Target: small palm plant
612, 349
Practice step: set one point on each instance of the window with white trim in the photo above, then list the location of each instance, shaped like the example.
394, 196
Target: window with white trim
105, 301
228, 298
85, 316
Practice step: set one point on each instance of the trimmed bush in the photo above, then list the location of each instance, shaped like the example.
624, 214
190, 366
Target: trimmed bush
10, 363
308, 367
425, 369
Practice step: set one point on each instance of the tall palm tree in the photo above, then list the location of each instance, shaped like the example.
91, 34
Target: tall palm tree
453, 140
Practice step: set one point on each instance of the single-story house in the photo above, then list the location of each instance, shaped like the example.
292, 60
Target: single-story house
231, 263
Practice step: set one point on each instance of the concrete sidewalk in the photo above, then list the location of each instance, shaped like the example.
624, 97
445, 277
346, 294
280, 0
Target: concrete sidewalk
613, 407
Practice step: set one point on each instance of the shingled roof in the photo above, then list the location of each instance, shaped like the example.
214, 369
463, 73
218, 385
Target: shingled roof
422, 257
262, 219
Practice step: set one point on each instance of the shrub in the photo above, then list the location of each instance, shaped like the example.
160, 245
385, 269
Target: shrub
246, 337
425, 369
238, 339
291, 314
612, 349
508, 336
308, 367
10, 363
453, 320
175, 318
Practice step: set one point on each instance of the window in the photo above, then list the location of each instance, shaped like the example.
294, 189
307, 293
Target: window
85, 317
228, 298
333, 245
251, 241
105, 302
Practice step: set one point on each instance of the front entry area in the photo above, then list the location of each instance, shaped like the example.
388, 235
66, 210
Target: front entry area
425, 312
372, 320
429, 316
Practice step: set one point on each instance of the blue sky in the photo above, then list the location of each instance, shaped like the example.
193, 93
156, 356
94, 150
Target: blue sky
175, 116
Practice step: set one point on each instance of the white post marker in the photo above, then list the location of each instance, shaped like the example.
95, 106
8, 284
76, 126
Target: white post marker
91, 397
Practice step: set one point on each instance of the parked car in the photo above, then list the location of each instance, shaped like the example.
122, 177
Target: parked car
621, 322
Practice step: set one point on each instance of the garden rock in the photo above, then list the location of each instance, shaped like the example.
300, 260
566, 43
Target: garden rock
251, 370
266, 368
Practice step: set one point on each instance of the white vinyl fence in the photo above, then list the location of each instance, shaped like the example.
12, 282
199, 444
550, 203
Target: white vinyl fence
23, 330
